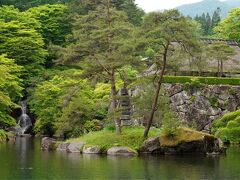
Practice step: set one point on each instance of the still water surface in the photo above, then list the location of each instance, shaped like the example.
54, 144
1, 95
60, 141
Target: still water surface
24, 160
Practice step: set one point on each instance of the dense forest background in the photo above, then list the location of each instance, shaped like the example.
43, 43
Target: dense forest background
70, 58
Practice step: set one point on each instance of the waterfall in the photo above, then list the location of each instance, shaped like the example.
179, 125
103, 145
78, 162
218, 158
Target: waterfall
24, 121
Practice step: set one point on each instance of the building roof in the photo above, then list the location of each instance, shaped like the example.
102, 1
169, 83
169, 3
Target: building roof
229, 42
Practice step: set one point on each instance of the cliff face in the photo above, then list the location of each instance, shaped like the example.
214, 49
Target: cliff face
200, 106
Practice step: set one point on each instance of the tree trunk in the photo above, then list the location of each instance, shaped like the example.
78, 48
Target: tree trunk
221, 69
116, 119
218, 68
156, 96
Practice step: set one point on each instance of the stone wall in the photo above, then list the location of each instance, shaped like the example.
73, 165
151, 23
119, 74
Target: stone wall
200, 106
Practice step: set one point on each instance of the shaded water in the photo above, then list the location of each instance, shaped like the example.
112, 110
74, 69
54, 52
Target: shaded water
24, 160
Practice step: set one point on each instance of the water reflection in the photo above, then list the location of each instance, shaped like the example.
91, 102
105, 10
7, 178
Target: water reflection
24, 160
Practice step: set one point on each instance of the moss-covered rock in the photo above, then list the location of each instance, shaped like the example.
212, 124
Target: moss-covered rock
185, 141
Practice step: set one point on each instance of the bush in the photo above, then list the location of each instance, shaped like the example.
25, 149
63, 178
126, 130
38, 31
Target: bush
93, 125
170, 125
228, 127
110, 127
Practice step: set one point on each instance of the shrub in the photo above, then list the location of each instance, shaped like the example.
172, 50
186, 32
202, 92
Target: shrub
213, 101
93, 125
110, 127
170, 125
228, 127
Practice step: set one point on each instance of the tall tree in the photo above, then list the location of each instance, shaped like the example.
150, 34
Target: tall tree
133, 12
162, 31
10, 90
230, 27
20, 41
221, 52
102, 46
54, 22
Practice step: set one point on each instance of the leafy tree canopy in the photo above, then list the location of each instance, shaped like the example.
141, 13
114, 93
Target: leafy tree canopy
10, 90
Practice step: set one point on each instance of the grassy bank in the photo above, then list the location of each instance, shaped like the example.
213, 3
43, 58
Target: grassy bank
130, 137
228, 127
202, 80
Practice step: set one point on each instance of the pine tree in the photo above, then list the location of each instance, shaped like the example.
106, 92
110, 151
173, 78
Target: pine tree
161, 30
102, 46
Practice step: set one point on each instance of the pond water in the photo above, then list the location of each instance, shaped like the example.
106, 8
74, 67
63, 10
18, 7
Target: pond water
23, 159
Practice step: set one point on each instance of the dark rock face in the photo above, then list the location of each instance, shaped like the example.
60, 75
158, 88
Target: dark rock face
48, 143
121, 151
151, 145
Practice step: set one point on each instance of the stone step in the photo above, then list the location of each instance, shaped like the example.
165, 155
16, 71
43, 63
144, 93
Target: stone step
126, 123
125, 117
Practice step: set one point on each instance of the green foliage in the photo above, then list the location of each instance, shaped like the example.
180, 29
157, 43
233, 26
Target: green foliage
202, 80
230, 27
10, 90
3, 135
20, 41
209, 23
133, 12
170, 125
143, 101
213, 101
63, 103
26, 4
228, 127
55, 25
93, 125
130, 137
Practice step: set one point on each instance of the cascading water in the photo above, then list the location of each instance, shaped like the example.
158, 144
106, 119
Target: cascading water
24, 121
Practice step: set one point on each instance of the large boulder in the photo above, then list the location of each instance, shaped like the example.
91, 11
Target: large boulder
190, 141
186, 141
151, 145
48, 143
92, 150
63, 147
124, 151
75, 147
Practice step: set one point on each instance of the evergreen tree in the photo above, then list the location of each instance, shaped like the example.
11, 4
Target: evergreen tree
102, 46
216, 17
161, 30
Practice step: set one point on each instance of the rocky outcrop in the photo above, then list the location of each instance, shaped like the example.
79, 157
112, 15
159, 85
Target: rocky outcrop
92, 150
75, 147
151, 145
121, 151
62, 147
48, 143
187, 142
200, 106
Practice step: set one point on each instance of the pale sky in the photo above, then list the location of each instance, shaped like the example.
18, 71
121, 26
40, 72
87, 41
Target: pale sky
151, 5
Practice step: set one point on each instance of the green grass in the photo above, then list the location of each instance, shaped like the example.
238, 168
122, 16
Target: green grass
202, 80
130, 137
228, 127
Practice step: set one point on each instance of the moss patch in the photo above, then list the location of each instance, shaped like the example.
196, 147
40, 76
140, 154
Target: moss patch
228, 127
183, 135
105, 139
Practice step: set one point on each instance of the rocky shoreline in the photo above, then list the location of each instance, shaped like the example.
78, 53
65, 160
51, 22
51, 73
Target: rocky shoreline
204, 144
